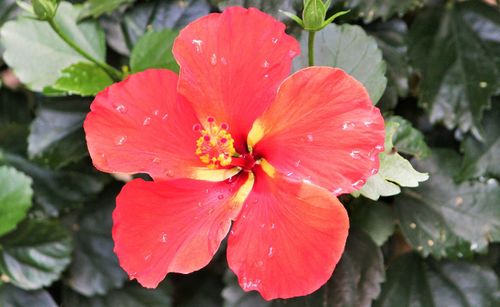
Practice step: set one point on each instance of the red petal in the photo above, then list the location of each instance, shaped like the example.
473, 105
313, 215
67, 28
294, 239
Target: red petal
141, 125
172, 226
287, 239
231, 65
322, 128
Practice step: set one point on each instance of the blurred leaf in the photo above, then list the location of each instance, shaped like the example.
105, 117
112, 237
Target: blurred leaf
11, 296
370, 10
57, 136
15, 198
37, 54
440, 214
350, 48
391, 39
408, 140
374, 218
271, 7
57, 191
457, 50
124, 31
154, 50
394, 170
412, 281
15, 117
83, 78
355, 281
8, 10
95, 269
96, 8
132, 295
482, 158
35, 254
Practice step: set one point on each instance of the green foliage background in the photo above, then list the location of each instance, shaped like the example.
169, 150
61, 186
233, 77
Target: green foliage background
424, 230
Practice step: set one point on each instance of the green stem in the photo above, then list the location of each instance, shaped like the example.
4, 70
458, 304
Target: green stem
310, 45
114, 73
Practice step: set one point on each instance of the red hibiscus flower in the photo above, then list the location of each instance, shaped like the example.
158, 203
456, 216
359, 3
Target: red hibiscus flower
233, 146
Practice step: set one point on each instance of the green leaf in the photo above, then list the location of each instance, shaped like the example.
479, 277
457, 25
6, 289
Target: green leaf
11, 296
57, 136
374, 218
15, 198
83, 78
95, 269
15, 117
271, 7
394, 170
409, 140
154, 50
35, 254
481, 158
411, 281
124, 31
355, 282
132, 295
350, 48
457, 51
95, 8
391, 39
370, 10
37, 54
442, 214
57, 191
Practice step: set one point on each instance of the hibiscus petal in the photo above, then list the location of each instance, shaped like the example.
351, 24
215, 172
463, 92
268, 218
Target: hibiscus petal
173, 226
231, 65
288, 238
141, 125
322, 127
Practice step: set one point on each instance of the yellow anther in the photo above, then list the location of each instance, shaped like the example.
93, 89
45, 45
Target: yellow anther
215, 147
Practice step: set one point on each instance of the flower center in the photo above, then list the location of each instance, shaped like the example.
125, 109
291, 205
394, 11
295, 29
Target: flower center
215, 147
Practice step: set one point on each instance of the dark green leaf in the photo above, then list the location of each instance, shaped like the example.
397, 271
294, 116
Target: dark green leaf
391, 39
482, 158
15, 117
394, 170
271, 7
15, 198
411, 281
37, 54
57, 137
124, 31
375, 218
350, 48
96, 8
370, 10
355, 281
457, 50
441, 214
132, 295
154, 50
95, 269
35, 254
57, 191
11, 296
83, 78
408, 140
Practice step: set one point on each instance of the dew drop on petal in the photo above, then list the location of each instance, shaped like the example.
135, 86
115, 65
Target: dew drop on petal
270, 251
337, 191
297, 163
373, 171
147, 121
266, 76
121, 140
355, 154
379, 147
213, 59
197, 43
163, 237
169, 173
220, 196
156, 160
156, 112
147, 257
265, 64
347, 125
310, 138
121, 108
274, 40
273, 226
165, 116
223, 60
358, 184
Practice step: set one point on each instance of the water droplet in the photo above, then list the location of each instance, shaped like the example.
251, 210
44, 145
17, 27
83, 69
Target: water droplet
165, 116
232, 232
358, 184
213, 59
273, 226
147, 257
413, 225
297, 163
379, 147
368, 123
223, 61
265, 64
121, 140
197, 43
337, 191
156, 160
266, 76
274, 40
310, 138
121, 108
169, 173
289, 174
355, 154
373, 171
270, 252
348, 125
156, 112
220, 196
163, 237
132, 275
147, 121
200, 204
210, 211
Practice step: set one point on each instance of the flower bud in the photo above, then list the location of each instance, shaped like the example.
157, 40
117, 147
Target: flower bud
314, 14
45, 9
